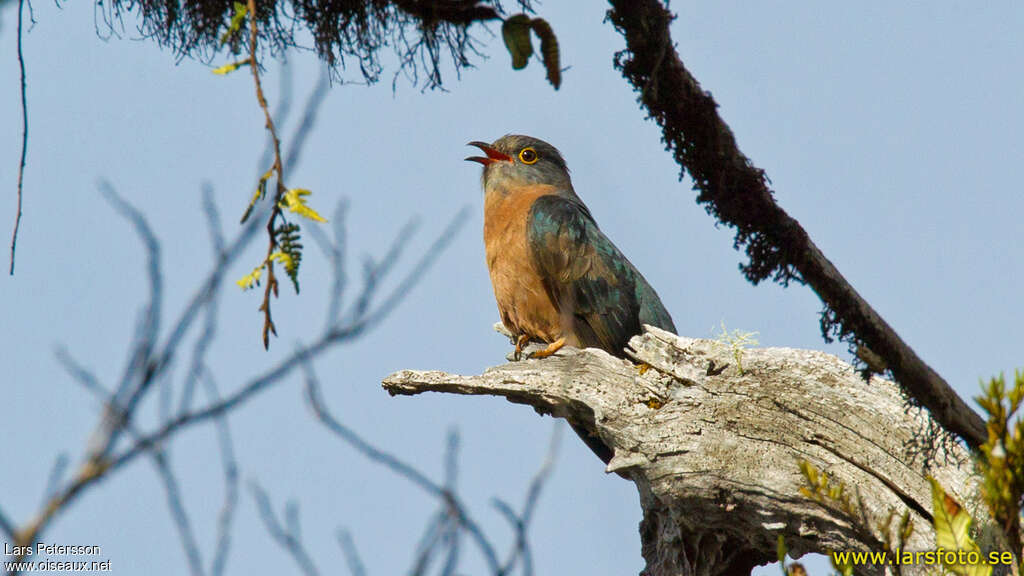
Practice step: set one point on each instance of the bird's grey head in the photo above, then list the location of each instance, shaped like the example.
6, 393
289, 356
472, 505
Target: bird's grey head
516, 160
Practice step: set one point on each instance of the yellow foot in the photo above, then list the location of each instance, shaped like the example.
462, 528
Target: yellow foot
643, 367
551, 349
522, 341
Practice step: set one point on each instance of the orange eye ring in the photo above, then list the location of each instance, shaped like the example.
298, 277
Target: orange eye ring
528, 155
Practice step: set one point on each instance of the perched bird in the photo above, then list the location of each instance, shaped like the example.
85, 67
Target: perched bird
557, 278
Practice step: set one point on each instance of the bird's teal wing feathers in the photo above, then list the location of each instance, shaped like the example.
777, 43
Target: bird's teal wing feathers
587, 277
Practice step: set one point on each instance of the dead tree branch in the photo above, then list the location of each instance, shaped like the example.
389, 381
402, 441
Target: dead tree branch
715, 453
736, 193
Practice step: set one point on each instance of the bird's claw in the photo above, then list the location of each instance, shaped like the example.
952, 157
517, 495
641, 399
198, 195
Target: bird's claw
521, 341
551, 349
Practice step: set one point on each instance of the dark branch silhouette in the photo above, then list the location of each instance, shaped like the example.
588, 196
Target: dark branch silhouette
736, 193
24, 128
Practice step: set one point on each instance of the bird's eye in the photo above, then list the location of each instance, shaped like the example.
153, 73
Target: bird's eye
528, 155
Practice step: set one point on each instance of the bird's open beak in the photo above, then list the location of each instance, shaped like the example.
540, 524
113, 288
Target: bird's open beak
492, 154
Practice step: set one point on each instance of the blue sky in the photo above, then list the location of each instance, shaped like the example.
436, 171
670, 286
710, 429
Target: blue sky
890, 131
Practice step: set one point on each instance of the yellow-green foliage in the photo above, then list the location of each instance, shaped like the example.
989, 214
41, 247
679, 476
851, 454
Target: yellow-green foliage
287, 235
952, 533
294, 200
833, 493
241, 11
1002, 456
229, 68
737, 341
252, 279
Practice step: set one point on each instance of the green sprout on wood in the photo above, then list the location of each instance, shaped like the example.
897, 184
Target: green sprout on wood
737, 341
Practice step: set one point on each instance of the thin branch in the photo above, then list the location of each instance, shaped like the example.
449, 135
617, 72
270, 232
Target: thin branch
81, 374
282, 110
278, 168
348, 549
381, 457
451, 535
178, 512
213, 224
371, 318
287, 538
227, 512
56, 476
736, 192
199, 350
7, 527
139, 372
521, 522
24, 132
428, 543
335, 254
521, 548
375, 272
393, 463
300, 136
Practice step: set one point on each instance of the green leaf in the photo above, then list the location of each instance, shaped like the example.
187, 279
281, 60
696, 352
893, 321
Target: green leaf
516, 33
952, 526
241, 10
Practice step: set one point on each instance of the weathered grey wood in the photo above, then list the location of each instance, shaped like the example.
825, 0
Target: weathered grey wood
715, 455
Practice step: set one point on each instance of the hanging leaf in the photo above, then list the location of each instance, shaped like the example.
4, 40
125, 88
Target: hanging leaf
516, 33
548, 50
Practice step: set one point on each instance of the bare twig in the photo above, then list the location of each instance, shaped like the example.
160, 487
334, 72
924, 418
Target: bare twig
56, 476
202, 343
80, 373
227, 512
24, 131
300, 136
140, 370
428, 543
286, 536
282, 111
449, 500
372, 317
335, 253
348, 549
521, 522
178, 512
450, 533
7, 527
737, 193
